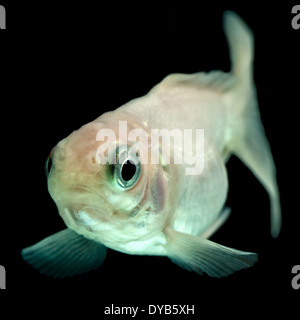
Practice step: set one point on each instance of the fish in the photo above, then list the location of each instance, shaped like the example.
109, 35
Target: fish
111, 195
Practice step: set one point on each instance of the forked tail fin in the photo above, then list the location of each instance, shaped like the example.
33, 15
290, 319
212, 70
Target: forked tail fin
248, 139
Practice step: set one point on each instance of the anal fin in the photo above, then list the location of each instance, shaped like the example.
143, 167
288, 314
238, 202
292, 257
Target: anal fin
254, 150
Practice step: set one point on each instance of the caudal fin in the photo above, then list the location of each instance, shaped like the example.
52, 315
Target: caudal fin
248, 140
241, 44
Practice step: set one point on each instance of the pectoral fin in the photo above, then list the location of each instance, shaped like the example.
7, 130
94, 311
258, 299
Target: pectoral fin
202, 255
65, 254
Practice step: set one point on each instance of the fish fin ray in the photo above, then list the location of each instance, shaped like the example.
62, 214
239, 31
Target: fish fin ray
247, 136
201, 255
65, 254
255, 152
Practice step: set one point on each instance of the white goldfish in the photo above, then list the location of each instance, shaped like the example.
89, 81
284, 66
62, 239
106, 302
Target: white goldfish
138, 207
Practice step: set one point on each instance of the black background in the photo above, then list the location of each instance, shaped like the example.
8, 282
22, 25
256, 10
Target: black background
64, 65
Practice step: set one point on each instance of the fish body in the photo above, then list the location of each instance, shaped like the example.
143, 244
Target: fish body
164, 208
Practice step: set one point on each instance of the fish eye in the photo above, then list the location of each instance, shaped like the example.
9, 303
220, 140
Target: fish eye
127, 169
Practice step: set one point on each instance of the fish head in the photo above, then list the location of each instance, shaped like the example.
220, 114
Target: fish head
104, 186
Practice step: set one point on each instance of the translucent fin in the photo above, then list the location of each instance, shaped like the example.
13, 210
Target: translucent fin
201, 255
240, 40
254, 150
241, 44
248, 139
225, 213
65, 254
215, 80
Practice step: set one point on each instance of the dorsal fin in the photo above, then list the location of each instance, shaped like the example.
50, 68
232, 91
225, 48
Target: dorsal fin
216, 80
